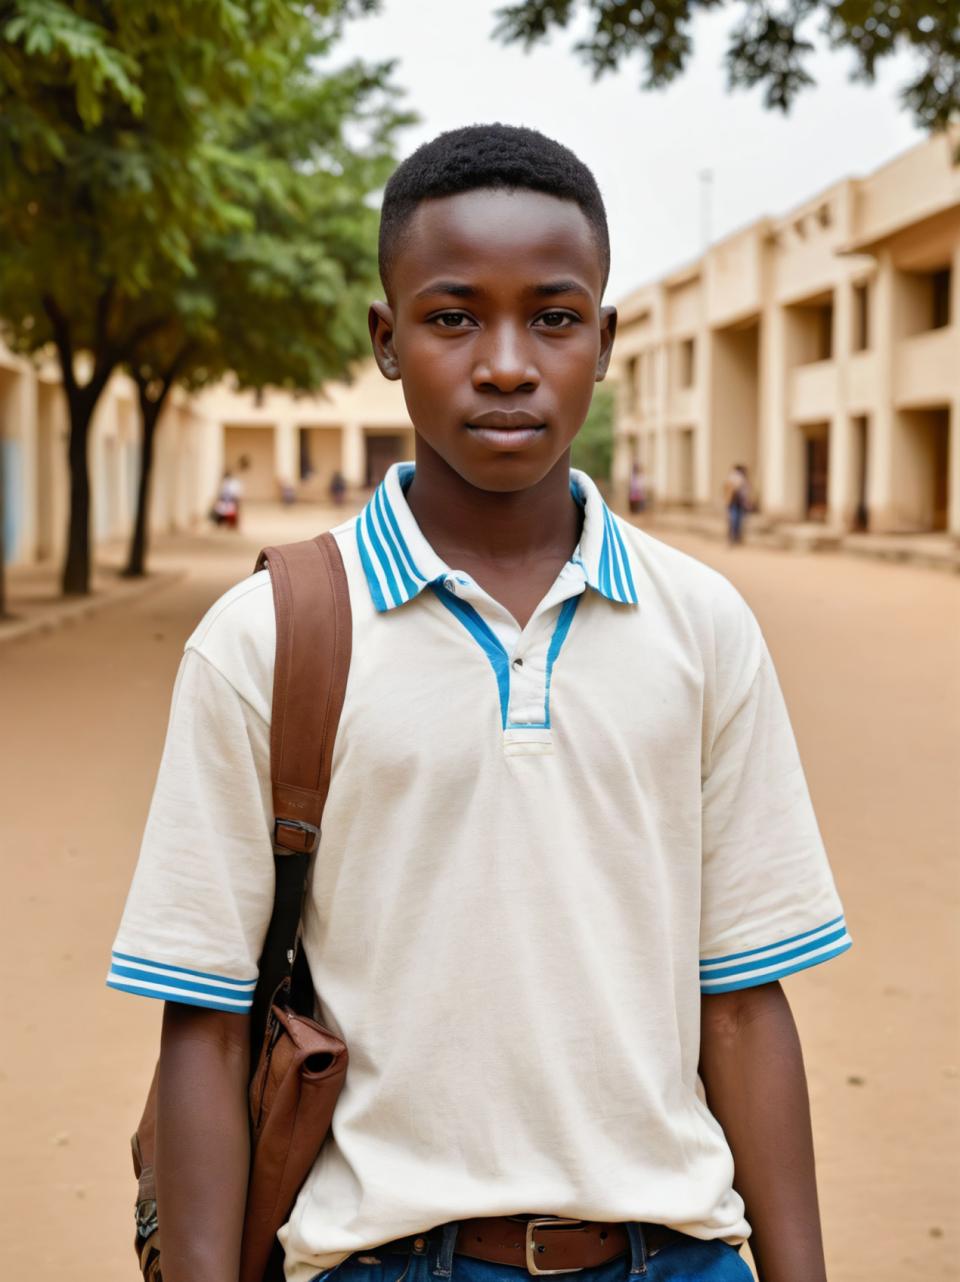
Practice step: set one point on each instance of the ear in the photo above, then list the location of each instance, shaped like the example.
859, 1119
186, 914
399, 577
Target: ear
608, 329
380, 324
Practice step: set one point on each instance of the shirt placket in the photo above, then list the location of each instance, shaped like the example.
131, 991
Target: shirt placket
531, 652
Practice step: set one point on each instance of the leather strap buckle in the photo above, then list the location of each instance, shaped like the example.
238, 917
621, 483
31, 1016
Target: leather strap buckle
544, 1222
305, 843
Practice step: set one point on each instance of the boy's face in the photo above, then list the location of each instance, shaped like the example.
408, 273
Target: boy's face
495, 327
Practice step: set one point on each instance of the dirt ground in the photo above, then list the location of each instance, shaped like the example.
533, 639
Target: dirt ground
868, 656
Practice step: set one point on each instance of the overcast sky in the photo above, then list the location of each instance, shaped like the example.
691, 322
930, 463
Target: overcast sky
647, 149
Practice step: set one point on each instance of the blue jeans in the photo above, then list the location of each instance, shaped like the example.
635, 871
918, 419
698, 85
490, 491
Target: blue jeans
685, 1260
735, 522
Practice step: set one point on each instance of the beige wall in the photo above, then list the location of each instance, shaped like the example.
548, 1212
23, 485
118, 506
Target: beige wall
34, 424
777, 313
248, 453
196, 440
338, 422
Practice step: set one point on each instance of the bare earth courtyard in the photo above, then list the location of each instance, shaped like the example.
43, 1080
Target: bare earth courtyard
868, 657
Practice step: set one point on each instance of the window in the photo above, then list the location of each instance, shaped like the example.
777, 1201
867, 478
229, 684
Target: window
861, 317
632, 388
687, 362
940, 317
824, 332
306, 463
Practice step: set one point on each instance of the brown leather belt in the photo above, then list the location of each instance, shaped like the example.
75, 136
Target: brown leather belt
543, 1243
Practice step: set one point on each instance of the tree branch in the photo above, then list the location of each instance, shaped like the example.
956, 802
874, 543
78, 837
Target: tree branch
61, 337
101, 324
166, 379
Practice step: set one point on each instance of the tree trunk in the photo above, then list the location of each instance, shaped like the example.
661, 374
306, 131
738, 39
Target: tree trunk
136, 566
76, 568
82, 401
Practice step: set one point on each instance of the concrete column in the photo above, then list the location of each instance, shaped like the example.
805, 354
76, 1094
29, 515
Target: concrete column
25, 430
703, 434
841, 482
661, 480
353, 462
881, 475
623, 454
286, 454
953, 451
210, 467
775, 431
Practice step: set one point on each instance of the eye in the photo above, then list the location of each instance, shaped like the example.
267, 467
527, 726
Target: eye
557, 319
452, 320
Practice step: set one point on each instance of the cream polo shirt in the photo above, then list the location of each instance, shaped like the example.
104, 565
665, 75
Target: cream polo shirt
539, 847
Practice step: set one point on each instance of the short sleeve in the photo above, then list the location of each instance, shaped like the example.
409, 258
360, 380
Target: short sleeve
769, 904
202, 893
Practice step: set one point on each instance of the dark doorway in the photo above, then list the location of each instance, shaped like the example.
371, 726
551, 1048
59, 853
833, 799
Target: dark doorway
817, 448
940, 430
382, 452
861, 445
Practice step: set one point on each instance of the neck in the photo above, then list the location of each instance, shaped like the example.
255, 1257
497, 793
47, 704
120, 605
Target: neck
463, 522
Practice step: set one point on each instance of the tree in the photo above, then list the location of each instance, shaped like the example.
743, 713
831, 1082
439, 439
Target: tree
113, 170
283, 301
769, 44
593, 446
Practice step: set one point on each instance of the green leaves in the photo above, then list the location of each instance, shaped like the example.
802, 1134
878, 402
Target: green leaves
770, 42
185, 190
593, 445
138, 137
76, 51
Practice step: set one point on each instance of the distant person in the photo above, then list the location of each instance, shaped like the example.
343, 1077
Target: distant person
288, 494
638, 489
338, 487
225, 508
737, 496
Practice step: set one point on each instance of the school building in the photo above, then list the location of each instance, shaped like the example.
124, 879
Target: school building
821, 349
33, 441
357, 429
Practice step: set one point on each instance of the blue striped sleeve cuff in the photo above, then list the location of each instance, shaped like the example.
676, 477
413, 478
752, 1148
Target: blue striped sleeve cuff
774, 961
179, 984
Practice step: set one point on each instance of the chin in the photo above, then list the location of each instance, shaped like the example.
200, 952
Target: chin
505, 473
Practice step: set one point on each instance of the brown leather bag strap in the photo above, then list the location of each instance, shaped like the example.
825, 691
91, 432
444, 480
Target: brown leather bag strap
312, 606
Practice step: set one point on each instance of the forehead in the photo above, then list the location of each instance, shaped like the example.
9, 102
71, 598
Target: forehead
502, 236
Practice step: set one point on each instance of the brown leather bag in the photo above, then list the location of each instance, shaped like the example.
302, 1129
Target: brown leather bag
299, 1065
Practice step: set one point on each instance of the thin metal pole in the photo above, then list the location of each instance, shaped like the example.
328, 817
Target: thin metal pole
706, 208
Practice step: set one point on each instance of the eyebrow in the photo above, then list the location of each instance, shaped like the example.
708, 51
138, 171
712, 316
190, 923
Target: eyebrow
549, 289
456, 288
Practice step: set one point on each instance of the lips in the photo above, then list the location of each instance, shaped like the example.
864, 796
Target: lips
506, 420
506, 429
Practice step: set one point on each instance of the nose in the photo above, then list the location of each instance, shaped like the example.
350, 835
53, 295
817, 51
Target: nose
505, 362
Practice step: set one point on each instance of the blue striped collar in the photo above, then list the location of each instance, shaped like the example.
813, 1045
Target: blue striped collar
399, 562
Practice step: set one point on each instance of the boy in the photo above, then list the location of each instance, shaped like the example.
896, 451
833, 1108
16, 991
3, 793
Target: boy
565, 802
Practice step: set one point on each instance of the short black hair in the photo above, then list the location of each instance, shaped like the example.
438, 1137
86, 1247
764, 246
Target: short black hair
483, 156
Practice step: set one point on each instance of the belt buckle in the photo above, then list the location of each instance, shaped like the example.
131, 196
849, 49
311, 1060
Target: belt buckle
544, 1221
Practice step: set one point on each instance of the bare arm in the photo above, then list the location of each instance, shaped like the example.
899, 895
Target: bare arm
752, 1070
203, 1142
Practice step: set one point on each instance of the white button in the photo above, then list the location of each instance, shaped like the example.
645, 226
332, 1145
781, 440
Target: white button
518, 663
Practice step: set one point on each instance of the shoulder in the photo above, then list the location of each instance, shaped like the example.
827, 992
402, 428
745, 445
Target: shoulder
237, 637
704, 606
672, 575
